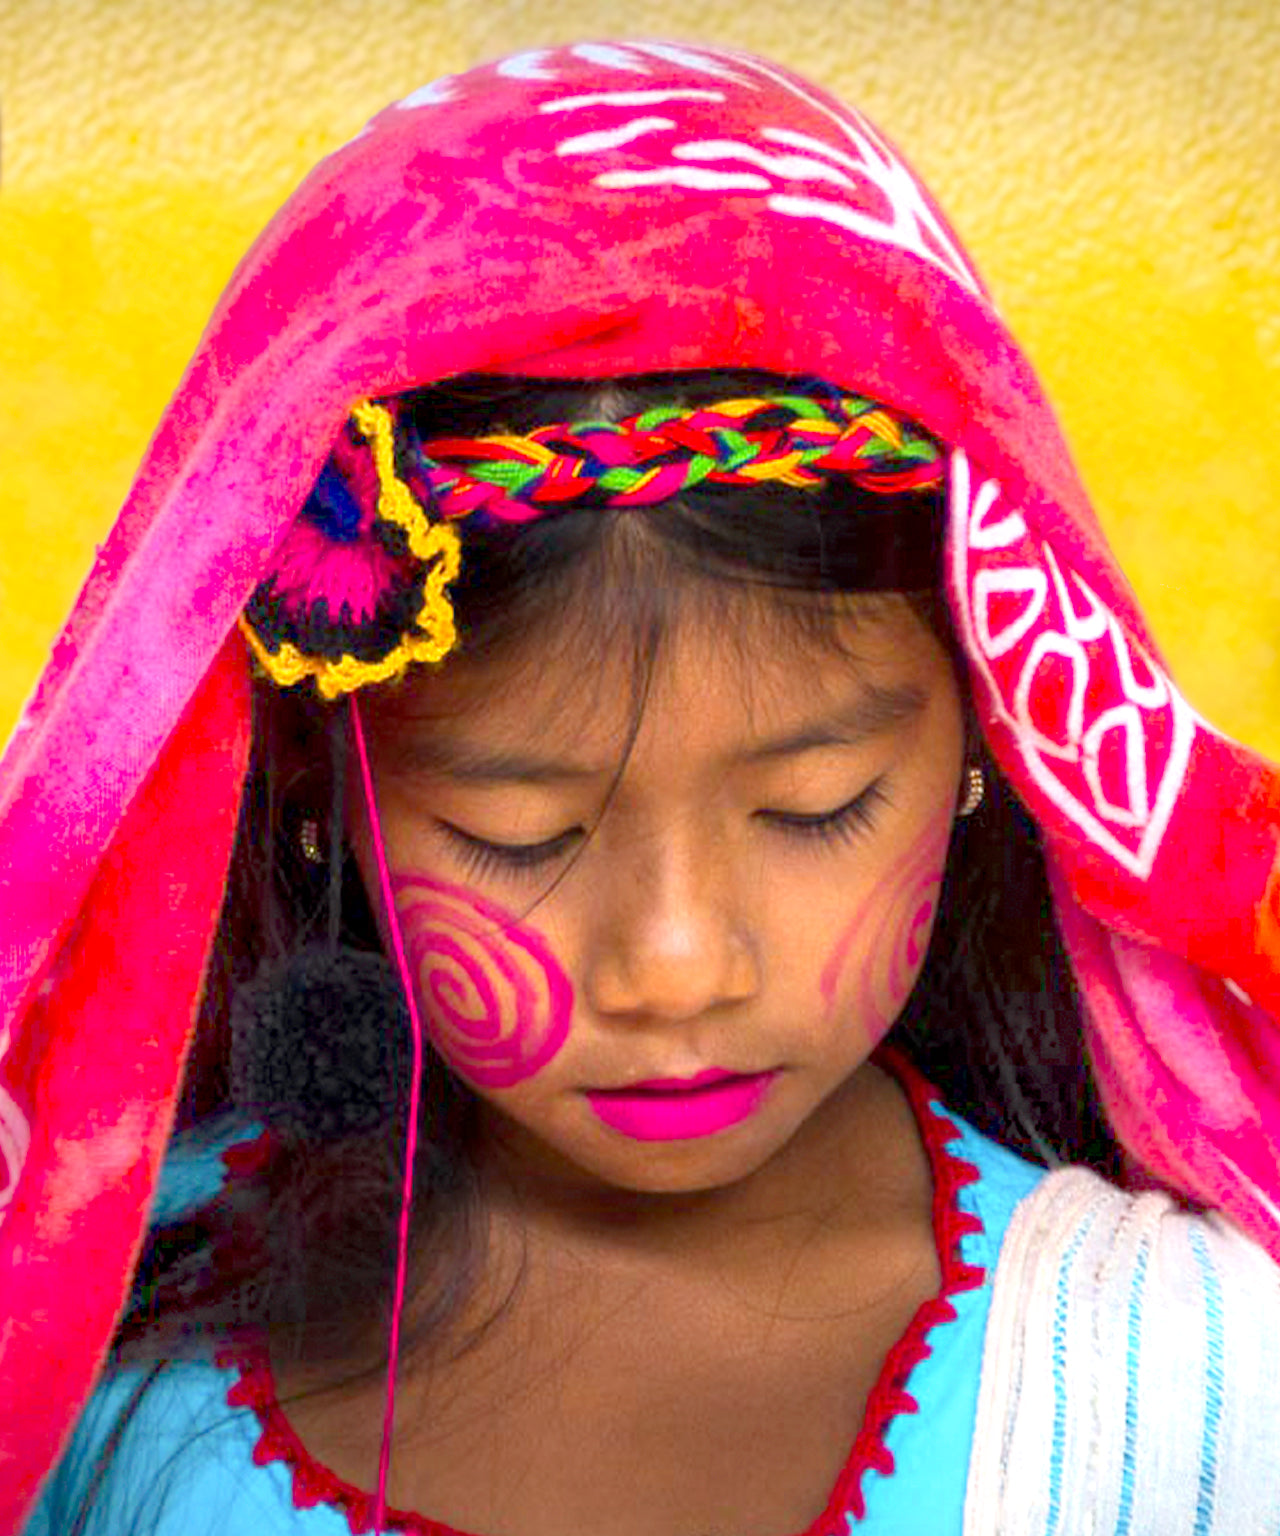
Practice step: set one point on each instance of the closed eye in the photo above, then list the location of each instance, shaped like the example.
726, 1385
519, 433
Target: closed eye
846, 821
479, 855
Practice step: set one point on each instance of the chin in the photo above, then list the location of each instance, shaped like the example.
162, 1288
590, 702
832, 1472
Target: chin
649, 1181
690, 1166
579, 1150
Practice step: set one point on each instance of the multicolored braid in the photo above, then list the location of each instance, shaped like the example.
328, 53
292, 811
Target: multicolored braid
359, 590
797, 440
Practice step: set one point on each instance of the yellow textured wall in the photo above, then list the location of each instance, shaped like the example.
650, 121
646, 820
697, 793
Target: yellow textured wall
1114, 166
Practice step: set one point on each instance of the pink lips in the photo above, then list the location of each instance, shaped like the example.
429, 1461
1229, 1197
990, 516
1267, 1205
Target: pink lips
681, 1108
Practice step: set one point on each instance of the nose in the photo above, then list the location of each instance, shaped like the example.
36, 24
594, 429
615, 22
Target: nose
670, 942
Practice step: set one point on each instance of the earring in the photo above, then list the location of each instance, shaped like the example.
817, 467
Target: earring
309, 841
975, 789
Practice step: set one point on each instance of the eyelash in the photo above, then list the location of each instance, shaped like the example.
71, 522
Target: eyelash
481, 857
846, 822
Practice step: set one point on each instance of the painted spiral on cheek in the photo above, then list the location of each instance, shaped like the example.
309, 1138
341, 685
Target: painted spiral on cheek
495, 1001
882, 949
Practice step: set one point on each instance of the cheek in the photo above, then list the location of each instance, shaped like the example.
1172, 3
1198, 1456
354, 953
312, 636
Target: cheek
495, 1001
878, 956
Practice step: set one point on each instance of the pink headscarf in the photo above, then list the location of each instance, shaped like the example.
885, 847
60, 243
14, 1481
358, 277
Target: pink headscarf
584, 212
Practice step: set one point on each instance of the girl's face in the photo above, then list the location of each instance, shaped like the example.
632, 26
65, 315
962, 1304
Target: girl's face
655, 977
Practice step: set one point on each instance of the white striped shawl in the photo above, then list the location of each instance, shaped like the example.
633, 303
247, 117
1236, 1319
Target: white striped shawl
1131, 1373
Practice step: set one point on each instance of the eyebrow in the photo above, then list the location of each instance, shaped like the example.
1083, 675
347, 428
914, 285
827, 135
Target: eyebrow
875, 712
471, 763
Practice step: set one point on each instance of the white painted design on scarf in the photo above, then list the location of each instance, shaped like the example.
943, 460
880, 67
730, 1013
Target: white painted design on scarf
531, 65
690, 176
1088, 626
1045, 646
1124, 718
434, 94
905, 236
913, 219
1004, 531
653, 98
860, 157
15, 1129
989, 584
608, 56
913, 227
794, 139
788, 167
15, 1138
693, 58
1152, 694
612, 138
1118, 701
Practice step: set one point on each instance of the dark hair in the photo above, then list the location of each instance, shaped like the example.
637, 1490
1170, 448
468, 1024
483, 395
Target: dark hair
993, 1021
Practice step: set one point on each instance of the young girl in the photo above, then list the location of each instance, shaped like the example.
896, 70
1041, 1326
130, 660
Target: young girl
603, 811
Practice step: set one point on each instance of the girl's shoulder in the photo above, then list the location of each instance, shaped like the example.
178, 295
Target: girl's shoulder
159, 1451
1131, 1372
163, 1449
992, 1179
1118, 1364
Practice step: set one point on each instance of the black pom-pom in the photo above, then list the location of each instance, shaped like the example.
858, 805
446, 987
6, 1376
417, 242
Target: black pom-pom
320, 1044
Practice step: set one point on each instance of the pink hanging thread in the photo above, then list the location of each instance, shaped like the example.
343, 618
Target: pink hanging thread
411, 1137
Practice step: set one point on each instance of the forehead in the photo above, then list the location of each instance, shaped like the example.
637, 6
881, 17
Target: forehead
739, 656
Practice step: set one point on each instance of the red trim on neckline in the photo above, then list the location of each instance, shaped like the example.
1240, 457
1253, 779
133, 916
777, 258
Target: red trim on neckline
314, 1483
890, 1397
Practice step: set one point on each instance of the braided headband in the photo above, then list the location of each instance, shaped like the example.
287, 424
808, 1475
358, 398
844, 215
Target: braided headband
359, 589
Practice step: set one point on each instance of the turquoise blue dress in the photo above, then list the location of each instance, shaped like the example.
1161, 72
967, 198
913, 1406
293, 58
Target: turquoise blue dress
208, 1451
